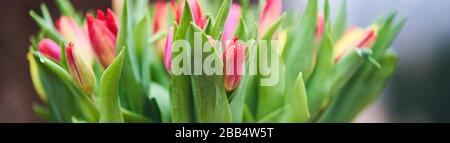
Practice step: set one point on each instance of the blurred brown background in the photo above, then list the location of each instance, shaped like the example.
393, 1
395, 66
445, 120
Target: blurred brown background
16, 27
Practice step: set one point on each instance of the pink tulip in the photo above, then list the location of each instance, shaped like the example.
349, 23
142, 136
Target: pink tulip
199, 17
234, 63
168, 51
232, 22
103, 33
270, 13
50, 49
72, 32
80, 69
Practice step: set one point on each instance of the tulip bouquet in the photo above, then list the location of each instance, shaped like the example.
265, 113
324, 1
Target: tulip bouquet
208, 61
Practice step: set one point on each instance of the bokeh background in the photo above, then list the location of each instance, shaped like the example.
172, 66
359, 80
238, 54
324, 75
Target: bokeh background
419, 91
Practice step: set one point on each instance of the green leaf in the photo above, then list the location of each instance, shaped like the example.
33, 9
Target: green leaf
35, 76
46, 24
299, 52
248, 117
273, 117
296, 103
271, 31
110, 110
131, 117
341, 21
242, 31
362, 90
67, 9
210, 98
185, 21
60, 99
122, 34
162, 97
181, 101
135, 77
320, 84
271, 96
380, 44
208, 25
347, 67
387, 36
327, 13
43, 112
221, 18
157, 37
247, 88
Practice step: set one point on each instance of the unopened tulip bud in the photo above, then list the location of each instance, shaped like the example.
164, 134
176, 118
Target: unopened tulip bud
50, 49
270, 13
347, 42
355, 38
103, 33
72, 32
369, 37
234, 63
161, 24
168, 51
160, 21
80, 69
320, 26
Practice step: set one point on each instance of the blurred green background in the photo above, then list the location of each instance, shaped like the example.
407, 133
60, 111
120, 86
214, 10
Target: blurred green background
419, 91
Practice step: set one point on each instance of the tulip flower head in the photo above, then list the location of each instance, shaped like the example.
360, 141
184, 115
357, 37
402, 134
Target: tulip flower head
234, 63
50, 49
355, 38
369, 37
168, 51
80, 70
103, 35
199, 17
161, 24
160, 21
72, 32
270, 13
320, 26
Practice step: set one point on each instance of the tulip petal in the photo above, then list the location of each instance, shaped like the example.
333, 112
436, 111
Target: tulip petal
50, 49
232, 22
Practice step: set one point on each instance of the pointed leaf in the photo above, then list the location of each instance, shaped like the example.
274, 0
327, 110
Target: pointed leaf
110, 110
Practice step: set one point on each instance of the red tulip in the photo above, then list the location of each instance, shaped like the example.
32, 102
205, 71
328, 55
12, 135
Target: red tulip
234, 63
270, 13
50, 49
199, 17
103, 33
80, 69
320, 26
